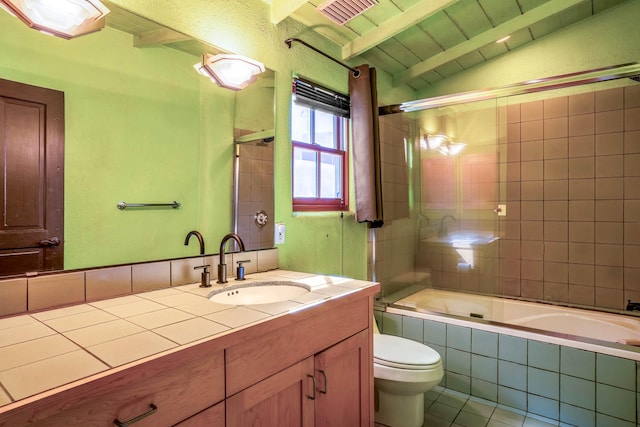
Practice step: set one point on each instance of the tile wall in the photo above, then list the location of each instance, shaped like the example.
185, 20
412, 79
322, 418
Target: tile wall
255, 193
573, 196
569, 174
394, 260
574, 387
60, 289
394, 148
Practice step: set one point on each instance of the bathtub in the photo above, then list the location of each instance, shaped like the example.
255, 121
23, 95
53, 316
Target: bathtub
608, 333
567, 365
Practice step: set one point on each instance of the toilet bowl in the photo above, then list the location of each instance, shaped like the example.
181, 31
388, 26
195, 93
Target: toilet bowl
403, 371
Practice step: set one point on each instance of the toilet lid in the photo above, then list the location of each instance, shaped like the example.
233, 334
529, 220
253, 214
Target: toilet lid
398, 352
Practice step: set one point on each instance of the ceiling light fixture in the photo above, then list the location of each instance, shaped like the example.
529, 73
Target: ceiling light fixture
230, 71
504, 39
442, 144
61, 18
435, 141
452, 149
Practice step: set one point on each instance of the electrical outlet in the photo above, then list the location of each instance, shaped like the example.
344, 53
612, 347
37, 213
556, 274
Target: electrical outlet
502, 210
279, 230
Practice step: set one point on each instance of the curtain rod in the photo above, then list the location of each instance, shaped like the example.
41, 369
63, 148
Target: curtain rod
630, 70
355, 71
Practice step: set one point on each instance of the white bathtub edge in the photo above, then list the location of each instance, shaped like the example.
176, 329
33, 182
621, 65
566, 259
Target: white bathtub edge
578, 343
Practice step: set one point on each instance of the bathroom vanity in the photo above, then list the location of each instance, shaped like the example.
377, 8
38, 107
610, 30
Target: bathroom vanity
308, 365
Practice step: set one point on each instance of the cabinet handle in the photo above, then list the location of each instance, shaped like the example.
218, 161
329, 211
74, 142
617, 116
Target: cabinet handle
324, 374
312, 397
152, 411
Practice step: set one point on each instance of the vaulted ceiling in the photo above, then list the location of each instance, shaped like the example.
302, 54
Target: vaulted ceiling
420, 42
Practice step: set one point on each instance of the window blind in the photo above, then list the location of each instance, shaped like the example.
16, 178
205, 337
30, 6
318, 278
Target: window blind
320, 98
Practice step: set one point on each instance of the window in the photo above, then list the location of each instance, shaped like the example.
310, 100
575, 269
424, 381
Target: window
319, 129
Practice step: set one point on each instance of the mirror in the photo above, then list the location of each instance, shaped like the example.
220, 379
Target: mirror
253, 207
141, 126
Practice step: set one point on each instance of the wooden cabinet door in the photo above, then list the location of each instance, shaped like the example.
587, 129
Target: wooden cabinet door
283, 399
343, 376
211, 417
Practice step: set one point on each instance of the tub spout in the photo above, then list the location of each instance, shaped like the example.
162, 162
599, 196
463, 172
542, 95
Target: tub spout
442, 231
198, 236
633, 306
222, 267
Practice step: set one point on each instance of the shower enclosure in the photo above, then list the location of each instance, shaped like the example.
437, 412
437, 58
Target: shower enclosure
530, 191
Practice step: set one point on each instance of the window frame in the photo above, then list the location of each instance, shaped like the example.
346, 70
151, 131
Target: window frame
341, 137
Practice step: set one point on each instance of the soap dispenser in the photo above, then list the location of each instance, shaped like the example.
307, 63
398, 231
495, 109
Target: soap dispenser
240, 270
205, 277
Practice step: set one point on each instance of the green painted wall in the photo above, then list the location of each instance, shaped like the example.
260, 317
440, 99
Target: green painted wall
315, 243
139, 128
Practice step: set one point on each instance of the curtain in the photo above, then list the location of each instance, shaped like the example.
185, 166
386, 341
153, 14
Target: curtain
366, 146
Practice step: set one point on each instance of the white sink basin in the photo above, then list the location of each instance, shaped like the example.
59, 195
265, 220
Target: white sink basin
258, 293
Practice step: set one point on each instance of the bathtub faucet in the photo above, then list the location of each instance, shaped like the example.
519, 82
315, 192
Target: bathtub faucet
633, 306
443, 229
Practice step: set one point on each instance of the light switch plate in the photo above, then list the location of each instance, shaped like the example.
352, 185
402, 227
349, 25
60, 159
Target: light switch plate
279, 230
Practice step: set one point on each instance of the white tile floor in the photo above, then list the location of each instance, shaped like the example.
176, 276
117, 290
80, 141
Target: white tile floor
447, 408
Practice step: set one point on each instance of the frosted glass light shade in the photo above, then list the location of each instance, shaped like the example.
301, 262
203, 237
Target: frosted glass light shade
62, 18
230, 71
435, 141
452, 149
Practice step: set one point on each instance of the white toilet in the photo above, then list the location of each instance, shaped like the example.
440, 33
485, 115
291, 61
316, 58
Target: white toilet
403, 371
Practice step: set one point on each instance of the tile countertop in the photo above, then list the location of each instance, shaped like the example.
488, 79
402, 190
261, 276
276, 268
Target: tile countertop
45, 350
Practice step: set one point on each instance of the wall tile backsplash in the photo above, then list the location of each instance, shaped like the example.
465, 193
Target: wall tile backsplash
68, 288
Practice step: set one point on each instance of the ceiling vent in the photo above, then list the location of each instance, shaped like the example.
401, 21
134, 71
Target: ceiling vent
343, 11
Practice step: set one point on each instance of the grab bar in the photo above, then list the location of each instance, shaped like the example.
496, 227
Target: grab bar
123, 205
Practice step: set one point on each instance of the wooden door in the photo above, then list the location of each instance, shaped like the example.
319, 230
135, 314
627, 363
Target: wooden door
344, 383
283, 399
32, 181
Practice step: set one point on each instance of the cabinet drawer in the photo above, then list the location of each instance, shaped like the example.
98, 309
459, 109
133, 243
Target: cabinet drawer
262, 356
178, 385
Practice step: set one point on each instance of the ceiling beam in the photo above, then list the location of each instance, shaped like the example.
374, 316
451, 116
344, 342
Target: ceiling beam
526, 19
158, 37
394, 25
281, 9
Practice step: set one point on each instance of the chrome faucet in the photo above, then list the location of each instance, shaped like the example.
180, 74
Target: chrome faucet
198, 236
443, 229
222, 267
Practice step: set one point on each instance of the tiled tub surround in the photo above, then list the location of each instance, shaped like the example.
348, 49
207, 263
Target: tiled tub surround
50, 290
569, 175
569, 383
48, 349
577, 162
